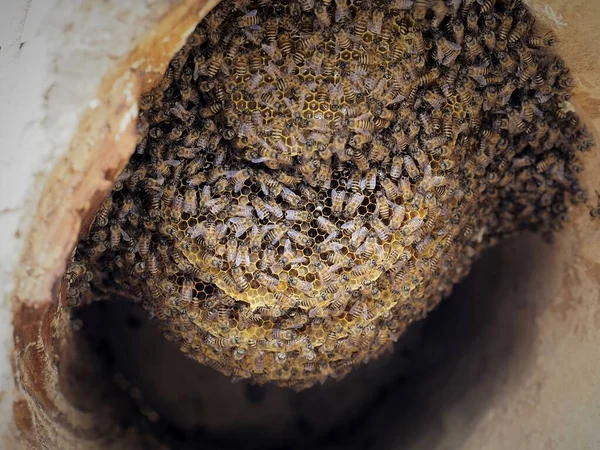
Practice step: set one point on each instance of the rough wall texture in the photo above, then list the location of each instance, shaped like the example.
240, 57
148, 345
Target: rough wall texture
73, 72
64, 64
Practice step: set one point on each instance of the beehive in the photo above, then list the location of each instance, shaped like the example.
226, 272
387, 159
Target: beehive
313, 177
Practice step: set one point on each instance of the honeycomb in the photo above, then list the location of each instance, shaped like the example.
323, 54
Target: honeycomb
312, 176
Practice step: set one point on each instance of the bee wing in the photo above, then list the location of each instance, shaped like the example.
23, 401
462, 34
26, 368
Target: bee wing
198, 230
221, 230
125, 236
480, 79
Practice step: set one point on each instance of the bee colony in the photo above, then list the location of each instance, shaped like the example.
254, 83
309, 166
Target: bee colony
312, 176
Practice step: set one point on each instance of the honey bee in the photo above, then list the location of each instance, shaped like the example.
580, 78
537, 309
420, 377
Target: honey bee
267, 258
285, 43
412, 226
127, 207
186, 292
326, 225
486, 6
376, 23
243, 256
299, 238
595, 212
190, 202
505, 27
276, 233
343, 39
273, 52
297, 216
239, 278
337, 201
101, 219
217, 204
322, 16
353, 203
518, 31
305, 287
391, 190
307, 5
428, 78
420, 8
342, 10
267, 281
291, 197
545, 164
439, 12
250, 19
358, 236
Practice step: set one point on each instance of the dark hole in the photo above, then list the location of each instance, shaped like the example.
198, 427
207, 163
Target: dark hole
388, 403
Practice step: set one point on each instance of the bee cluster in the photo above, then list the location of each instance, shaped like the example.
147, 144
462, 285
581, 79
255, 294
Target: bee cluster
312, 176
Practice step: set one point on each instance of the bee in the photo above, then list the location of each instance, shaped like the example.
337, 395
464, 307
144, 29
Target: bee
243, 255
412, 226
517, 32
506, 92
255, 63
267, 259
297, 216
343, 40
217, 204
326, 225
285, 43
307, 5
358, 236
267, 281
406, 189
127, 207
595, 212
474, 49
355, 201
546, 41
337, 201
342, 10
507, 62
239, 278
276, 233
186, 292
545, 164
309, 41
190, 202
231, 248
420, 8
299, 238
472, 19
305, 287
505, 26
486, 6
322, 16
382, 230
273, 52
489, 39
429, 77
213, 65
291, 197
378, 151
376, 23
516, 123
101, 219
391, 190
